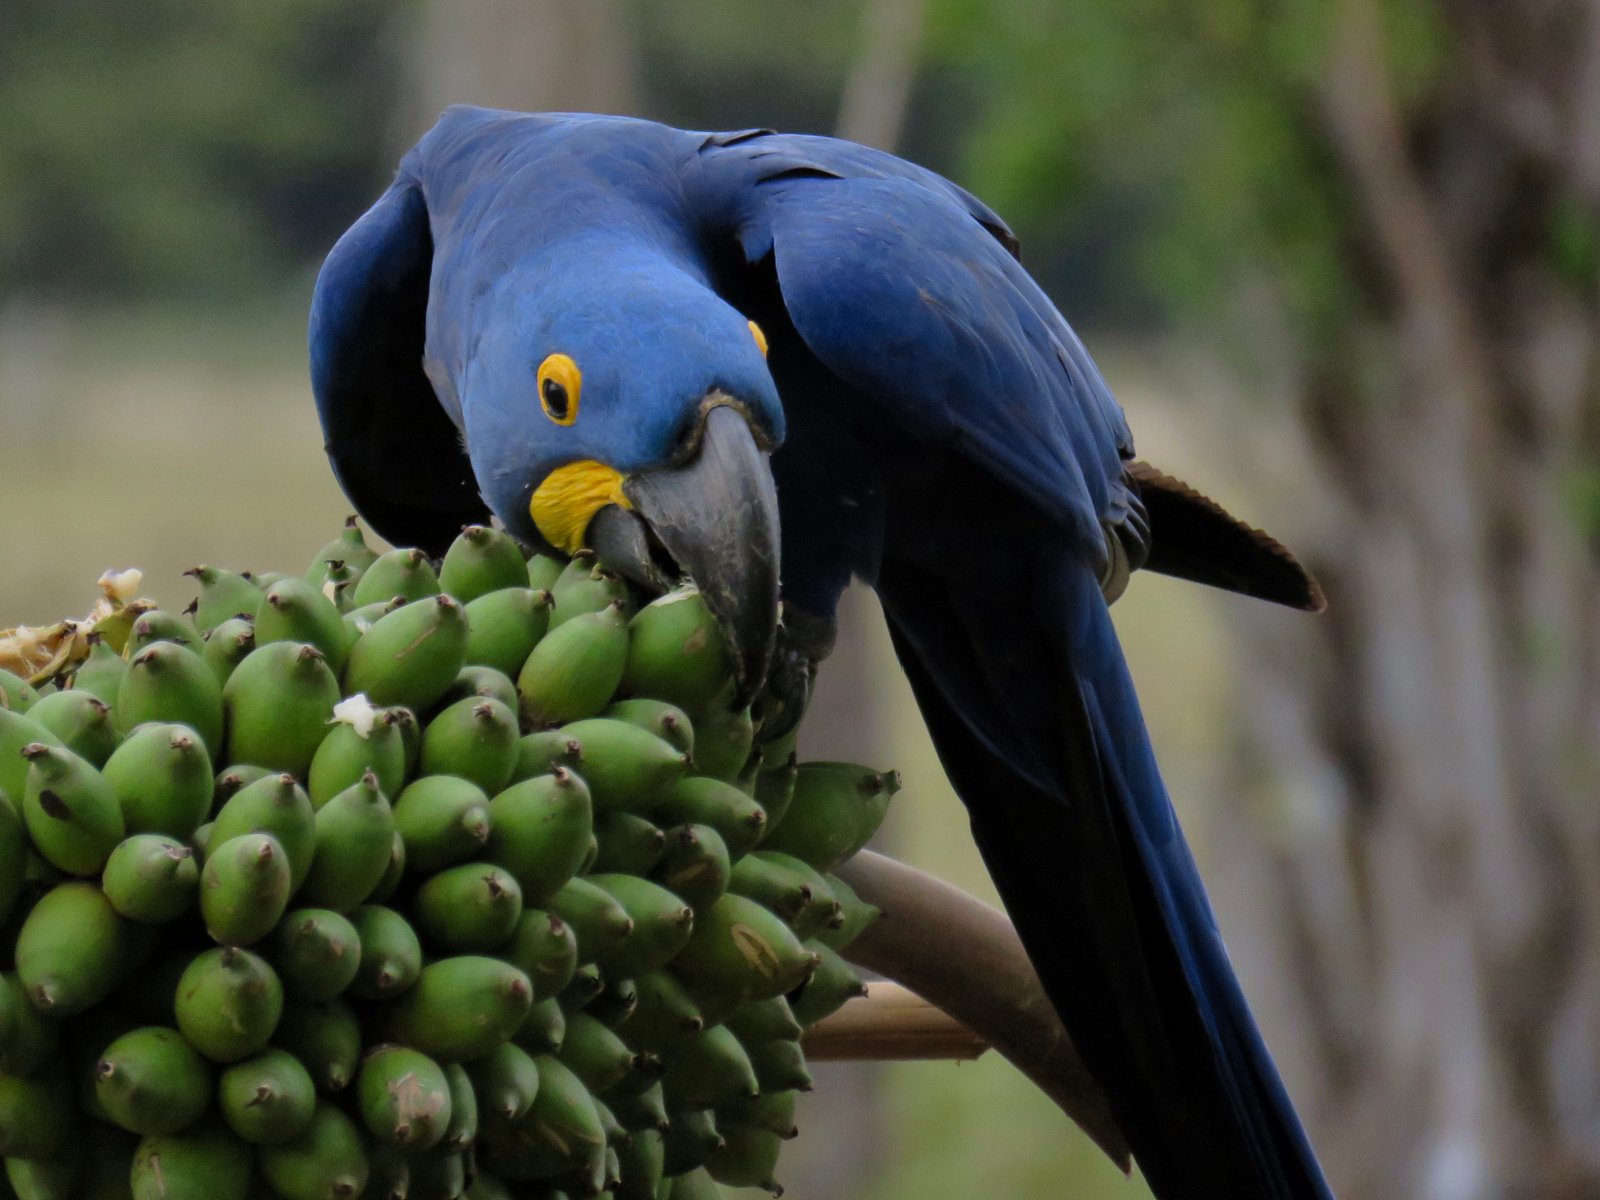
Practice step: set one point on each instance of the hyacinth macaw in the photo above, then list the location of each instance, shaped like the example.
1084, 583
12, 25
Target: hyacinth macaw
669, 346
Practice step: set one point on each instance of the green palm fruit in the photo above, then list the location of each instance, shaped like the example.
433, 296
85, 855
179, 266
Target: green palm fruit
855, 915
539, 831
585, 986
404, 1097
238, 776
544, 1029
676, 652
390, 883
692, 1137
541, 752
740, 949
316, 953
411, 656
279, 700
436, 1174
228, 1003
27, 1039
470, 908
560, 1136
13, 856
771, 1111
58, 1178
325, 1039
151, 878
70, 811
707, 1069
389, 1177
340, 587
505, 1081
81, 720
505, 626
481, 560
462, 1130
779, 890
16, 693
774, 789
823, 909
663, 1012
574, 670
162, 779
641, 1157
624, 766
544, 570
779, 1064
171, 682
244, 888
836, 808
223, 595
101, 673
358, 620
765, 1021
600, 923
613, 1165
695, 865
697, 800
363, 738
667, 721
390, 954
754, 763
405, 573
594, 1053
324, 1161
355, 839
545, 949
832, 984
778, 747
349, 548
692, 1185
628, 843
410, 736
444, 820
587, 591
205, 1162
158, 626
268, 1098
227, 646
462, 1007
200, 840
746, 1158
36, 1114
475, 739
646, 1110
480, 682
277, 805
614, 1003
116, 626
17, 731
662, 924
722, 742
151, 1081
86, 1038
293, 610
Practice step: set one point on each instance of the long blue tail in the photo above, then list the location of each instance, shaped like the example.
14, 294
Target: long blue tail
1023, 685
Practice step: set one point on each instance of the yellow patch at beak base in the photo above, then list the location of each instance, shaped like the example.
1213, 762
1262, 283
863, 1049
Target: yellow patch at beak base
567, 500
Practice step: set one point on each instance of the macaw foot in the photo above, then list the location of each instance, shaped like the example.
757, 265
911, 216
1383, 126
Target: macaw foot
804, 640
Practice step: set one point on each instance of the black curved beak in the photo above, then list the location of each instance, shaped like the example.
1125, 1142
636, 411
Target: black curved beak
715, 517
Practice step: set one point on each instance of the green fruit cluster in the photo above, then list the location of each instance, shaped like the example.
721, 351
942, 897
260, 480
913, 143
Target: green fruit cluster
416, 880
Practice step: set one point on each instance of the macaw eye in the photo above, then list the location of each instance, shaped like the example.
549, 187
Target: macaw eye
560, 382
761, 338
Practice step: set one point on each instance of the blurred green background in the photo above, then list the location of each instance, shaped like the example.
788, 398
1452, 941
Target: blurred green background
1301, 238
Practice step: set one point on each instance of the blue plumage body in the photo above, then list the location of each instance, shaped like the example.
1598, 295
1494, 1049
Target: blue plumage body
941, 433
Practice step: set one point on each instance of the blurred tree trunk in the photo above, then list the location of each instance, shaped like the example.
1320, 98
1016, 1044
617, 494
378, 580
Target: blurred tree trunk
1434, 877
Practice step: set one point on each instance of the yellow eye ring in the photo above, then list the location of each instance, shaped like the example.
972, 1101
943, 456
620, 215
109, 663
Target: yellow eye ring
761, 338
560, 383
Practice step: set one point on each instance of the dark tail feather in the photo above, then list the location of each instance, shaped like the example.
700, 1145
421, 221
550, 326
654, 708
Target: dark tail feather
1195, 538
1040, 733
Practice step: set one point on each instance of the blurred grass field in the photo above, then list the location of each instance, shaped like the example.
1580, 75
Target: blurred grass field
162, 443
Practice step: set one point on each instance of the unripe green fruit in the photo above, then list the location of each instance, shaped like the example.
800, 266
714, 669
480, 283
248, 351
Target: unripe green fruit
746, 1158
505, 1081
601, 924
544, 570
16, 732
774, 789
203, 1163
646, 1110
739, 949
244, 888
666, 721
586, 984
475, 739
70, 811
544, 1029
723, 741
436, 1174
151, 1081
541, 752
162, 779
278, 701
227, 646
276, 805
151, 878
444, 820
505, 626
694, 865
324, 1161
765, 1020
771, 1111
701, 801
411, 656
27, 1039
355, 838
780, 1065
353, 746
545, 949
641, 1157
36, 1114
462, 1007
480, 561
707, 1069
585, 588
627, 843
662, 924
223, 595
836, 808
169, 682
484, 683
830, 986
237, 777
594, 1053
463, 1127
676, 652
349, 548
101, 673
405, 573
268, 1098
468, 908
13, 856
692, 1137
317, 953
785, 886
624, 766
404, 1097
391, 955
560, 1136
389, 1175
293, 610
663, 1012
228, 1004
81, 720
325, 1038
574, 670
74, 950
156, 626
392, 876
58, 1178
539, 831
